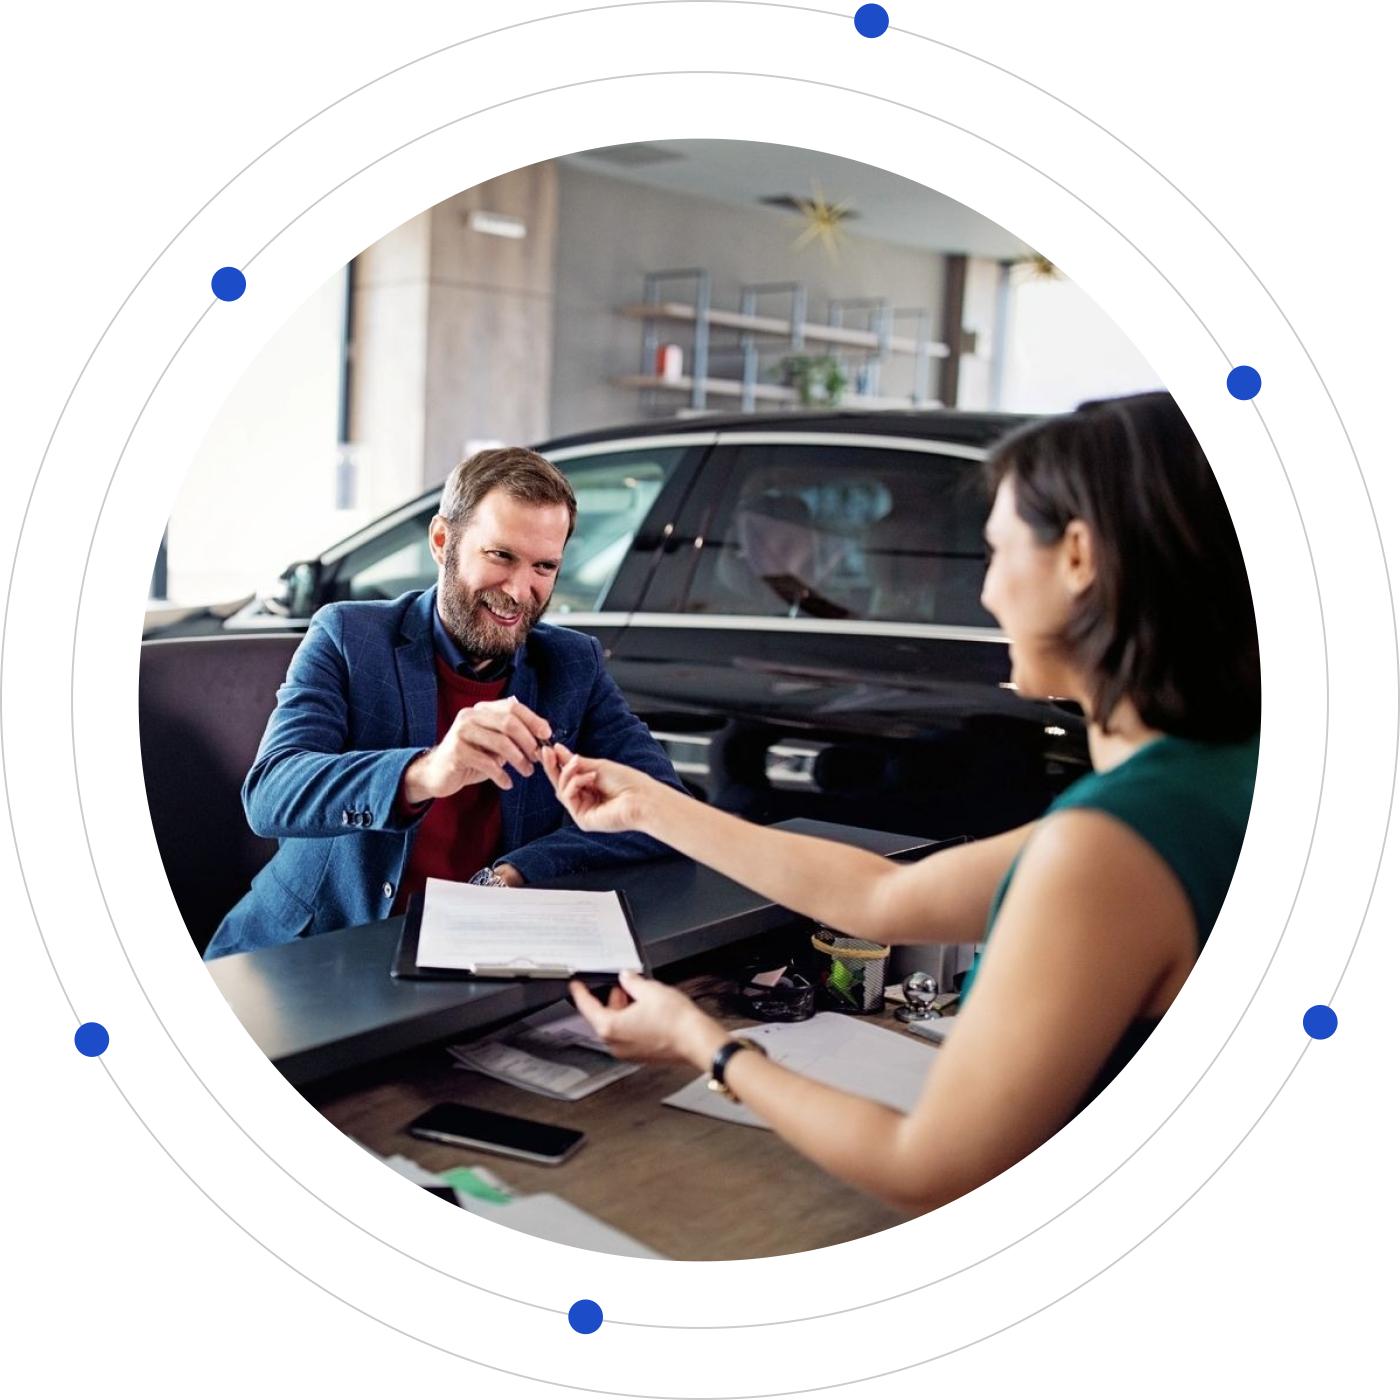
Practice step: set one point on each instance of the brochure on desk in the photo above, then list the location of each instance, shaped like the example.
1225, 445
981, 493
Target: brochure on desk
459, 931
832, 1048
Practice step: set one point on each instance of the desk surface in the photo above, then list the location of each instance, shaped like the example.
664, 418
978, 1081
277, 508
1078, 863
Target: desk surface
322, 1005
689, 1186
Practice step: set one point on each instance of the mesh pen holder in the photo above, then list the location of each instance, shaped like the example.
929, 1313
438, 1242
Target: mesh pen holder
853, 977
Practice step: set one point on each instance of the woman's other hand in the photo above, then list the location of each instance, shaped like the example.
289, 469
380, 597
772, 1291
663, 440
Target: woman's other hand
646, 1020
598, 794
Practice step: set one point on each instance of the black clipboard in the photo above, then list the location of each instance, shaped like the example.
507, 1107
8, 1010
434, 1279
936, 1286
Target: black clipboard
405, 965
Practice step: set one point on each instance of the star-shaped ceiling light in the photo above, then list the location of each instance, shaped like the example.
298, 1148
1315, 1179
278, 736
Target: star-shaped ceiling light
823, 222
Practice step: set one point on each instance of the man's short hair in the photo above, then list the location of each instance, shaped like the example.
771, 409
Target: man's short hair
516, 470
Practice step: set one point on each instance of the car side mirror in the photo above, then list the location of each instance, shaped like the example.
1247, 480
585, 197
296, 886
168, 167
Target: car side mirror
278, 599
294, 594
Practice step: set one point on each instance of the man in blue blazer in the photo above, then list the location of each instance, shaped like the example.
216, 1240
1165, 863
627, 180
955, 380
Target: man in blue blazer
405, 743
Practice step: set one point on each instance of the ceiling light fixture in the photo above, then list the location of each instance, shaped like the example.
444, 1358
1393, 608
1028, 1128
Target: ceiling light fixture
497, 225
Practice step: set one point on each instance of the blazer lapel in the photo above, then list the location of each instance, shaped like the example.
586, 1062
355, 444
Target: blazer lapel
417, 676
524, 686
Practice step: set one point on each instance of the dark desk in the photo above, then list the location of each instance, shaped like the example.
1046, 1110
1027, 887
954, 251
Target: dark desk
326, 1010
688, 1186
327, 1004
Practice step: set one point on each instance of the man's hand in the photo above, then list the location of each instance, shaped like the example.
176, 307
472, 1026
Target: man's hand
484, 741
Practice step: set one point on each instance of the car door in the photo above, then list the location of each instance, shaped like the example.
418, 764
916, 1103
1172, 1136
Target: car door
628, 494
812, 642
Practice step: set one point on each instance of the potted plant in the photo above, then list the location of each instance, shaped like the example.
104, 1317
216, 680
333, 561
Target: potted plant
817, 378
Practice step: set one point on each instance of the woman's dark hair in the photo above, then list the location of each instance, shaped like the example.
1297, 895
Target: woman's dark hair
1169, 620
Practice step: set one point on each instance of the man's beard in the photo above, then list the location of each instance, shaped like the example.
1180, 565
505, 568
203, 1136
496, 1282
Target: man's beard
470, 626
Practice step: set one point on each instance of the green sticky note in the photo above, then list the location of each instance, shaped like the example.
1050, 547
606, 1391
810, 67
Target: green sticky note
465, 1180
840, 981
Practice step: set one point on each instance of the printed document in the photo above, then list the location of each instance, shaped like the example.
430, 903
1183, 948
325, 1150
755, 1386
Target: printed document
885, 1065
524, 932
546, 1216
554, 1052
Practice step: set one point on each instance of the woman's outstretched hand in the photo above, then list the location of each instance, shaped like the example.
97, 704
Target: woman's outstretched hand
646, 1020
598, 794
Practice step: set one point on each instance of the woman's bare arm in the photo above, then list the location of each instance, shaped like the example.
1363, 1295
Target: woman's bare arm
943, 898
1092, 927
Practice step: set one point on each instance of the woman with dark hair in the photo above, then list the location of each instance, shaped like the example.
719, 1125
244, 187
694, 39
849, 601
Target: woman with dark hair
1115, 573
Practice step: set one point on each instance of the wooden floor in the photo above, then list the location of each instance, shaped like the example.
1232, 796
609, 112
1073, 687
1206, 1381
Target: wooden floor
688, 1186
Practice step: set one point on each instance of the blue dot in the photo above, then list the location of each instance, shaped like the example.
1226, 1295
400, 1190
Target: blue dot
872, 21
91, 1038
1243, 381
585, 1316
1319, 1021
228, 283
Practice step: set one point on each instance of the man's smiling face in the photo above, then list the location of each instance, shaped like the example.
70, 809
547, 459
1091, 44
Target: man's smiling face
497, 571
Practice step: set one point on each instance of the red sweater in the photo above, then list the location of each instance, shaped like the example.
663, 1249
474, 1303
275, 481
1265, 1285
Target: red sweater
461, 833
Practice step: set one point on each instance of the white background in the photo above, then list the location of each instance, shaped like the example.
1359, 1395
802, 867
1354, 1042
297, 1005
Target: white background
123, 120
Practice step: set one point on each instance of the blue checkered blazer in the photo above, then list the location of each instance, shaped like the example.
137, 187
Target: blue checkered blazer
358, 705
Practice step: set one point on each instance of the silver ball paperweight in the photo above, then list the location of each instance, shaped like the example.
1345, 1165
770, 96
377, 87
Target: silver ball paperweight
919, 992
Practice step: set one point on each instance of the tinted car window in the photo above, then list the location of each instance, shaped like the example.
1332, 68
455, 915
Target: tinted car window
845, 533
387, 564
614, 493
404, 562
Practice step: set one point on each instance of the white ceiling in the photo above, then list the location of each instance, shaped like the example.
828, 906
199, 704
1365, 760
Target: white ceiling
743, 172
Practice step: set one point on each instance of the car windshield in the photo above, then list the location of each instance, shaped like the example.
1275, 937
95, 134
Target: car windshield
614, 490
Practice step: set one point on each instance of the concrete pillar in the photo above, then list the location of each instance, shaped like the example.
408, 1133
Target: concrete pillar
390, 365
491, 318
951, 330
454, 329
981, 326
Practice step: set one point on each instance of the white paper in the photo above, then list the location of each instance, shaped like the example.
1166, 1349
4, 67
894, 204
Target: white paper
550, 1217
543, 1074
562, 1025
872, 1061
524, 931
420, 1176
937, 1030
406, 1166
554, 1052
544, 1215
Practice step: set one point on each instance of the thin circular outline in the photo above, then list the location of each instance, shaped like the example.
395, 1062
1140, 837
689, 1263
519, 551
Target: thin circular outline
250, 261
192, 328
808, 9
751, 1395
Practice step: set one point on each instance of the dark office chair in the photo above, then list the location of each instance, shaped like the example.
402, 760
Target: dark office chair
903, 560
924, 556
204, 702
777, 561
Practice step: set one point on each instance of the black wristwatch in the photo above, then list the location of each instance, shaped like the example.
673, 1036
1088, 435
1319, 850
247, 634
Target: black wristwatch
720, 1063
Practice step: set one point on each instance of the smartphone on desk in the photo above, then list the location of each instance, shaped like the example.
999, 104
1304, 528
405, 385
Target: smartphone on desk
459, 1125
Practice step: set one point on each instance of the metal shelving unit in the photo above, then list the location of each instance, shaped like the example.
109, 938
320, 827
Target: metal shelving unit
874, 343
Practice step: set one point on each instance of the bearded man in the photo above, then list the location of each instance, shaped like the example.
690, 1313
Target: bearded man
406, 739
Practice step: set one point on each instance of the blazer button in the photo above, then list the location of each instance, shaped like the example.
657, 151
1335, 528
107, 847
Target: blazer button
367, 817
388, 890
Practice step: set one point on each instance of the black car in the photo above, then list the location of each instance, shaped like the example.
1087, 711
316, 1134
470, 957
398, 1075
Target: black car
791, 604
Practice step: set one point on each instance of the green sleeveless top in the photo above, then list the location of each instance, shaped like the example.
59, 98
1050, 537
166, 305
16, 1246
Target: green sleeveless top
1190, 802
